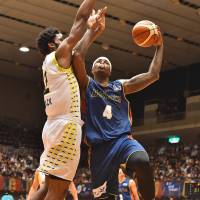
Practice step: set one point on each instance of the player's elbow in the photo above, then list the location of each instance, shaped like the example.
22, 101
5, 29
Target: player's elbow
78, 57
155, 76
77, 54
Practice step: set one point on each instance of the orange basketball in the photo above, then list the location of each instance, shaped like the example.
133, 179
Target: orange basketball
145, 33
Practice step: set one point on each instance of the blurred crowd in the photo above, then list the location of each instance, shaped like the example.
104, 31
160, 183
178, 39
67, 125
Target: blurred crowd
170, 162
18, 162
176, 162
14, 133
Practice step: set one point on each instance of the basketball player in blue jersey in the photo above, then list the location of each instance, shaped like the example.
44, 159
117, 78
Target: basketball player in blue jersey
127, 188
62, 131
107, 121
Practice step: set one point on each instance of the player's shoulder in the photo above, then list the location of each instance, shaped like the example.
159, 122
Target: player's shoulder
118, 82
117, 85
91, 81
91, 84
48, 59
121, 81
51, 64
132, 182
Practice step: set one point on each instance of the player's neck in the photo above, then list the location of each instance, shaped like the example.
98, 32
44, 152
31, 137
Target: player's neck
104, 82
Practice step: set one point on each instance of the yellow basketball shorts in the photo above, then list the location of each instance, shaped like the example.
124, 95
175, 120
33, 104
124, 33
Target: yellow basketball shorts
61, 139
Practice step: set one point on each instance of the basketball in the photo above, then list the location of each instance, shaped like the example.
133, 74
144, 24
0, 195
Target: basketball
145, 33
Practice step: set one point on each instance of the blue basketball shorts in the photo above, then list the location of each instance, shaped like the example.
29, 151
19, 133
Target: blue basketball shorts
105, 160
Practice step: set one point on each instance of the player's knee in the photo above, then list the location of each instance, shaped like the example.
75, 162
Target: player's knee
138, 161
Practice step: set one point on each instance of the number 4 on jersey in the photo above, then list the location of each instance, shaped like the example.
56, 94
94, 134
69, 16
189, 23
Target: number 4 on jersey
108, 112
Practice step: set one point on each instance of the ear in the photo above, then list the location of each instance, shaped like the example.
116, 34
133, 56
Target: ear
51, 45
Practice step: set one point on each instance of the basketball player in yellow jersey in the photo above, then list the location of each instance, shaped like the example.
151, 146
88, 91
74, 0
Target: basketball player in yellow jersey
62, 131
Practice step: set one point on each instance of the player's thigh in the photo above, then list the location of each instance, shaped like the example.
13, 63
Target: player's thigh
129, 147
41, 192
57, 189
106, 181
61, 157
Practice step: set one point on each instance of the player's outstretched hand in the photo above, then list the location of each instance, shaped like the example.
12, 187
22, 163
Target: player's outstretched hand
160, 38
96, 21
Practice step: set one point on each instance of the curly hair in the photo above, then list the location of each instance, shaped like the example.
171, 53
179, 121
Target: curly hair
45, 37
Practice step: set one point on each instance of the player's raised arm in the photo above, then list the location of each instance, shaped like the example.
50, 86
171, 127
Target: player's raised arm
97, 26
64, 51
143, 80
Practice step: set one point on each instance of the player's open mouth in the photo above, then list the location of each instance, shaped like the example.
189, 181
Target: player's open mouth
101, 68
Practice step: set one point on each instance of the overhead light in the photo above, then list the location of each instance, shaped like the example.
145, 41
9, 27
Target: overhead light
24, 49
174, 139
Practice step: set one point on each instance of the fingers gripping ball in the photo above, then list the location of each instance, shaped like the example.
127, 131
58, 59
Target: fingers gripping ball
145, 33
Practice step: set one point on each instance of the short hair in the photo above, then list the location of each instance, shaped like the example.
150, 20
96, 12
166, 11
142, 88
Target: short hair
45, 37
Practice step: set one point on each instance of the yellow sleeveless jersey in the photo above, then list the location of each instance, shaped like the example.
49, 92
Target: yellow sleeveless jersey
62, 95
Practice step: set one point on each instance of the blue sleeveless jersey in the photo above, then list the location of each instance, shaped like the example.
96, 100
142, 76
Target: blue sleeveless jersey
124, 191
108, 112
